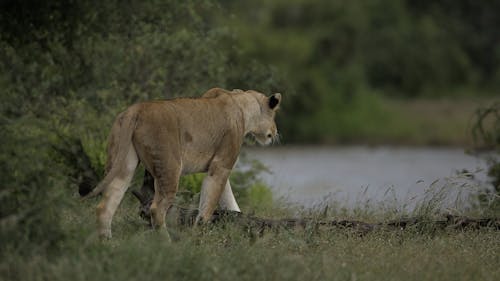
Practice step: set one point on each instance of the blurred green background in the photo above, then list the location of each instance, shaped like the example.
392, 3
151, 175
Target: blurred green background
381, 71
351, 72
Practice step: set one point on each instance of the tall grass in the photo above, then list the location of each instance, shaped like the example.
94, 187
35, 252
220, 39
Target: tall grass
229, 251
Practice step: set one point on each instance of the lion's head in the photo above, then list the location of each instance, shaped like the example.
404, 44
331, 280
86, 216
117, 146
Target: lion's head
262, 125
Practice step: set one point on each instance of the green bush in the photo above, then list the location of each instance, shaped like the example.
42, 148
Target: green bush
32, 194
250, 191
259, 196
67, 69
486, 134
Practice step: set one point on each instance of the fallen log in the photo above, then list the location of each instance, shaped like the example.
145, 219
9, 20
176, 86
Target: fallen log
187, 217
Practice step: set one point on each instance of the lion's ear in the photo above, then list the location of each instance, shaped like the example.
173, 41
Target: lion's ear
274, 101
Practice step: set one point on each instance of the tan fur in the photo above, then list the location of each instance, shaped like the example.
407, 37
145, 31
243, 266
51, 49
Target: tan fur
183, 136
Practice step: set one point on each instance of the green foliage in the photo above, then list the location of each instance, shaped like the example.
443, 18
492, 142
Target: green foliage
67, 69
486, 133
342, 59
192, 183
248, 187
252, 193
398, 46
259, 196
486, 127
31, 189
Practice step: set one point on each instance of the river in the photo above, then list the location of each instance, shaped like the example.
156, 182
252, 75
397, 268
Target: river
314, 176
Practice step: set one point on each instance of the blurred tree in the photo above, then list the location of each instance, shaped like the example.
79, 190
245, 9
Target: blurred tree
342, 57
473, 25
67, 68
406, 48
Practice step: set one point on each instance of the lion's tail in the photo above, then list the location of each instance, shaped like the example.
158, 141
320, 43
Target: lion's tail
119, 146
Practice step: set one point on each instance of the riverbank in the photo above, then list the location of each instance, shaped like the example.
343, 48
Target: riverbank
404, 122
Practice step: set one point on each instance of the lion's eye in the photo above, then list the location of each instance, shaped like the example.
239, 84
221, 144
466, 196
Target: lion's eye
269, 135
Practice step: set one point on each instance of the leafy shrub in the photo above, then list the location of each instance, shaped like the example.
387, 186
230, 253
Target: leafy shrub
258, 196
32, 190
486, 134
250, 192
67, 69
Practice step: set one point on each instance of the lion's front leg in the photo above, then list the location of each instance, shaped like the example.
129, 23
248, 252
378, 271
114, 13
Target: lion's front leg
211, 191
227, 200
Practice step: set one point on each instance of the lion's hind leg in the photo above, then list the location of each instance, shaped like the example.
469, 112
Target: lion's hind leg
166, 185
121, 177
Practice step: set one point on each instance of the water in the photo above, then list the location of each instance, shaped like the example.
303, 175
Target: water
350, 175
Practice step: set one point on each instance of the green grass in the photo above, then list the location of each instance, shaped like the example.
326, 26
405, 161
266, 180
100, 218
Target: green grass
229, 252
376, 120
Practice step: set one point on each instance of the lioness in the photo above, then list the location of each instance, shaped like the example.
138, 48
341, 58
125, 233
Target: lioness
182, 136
